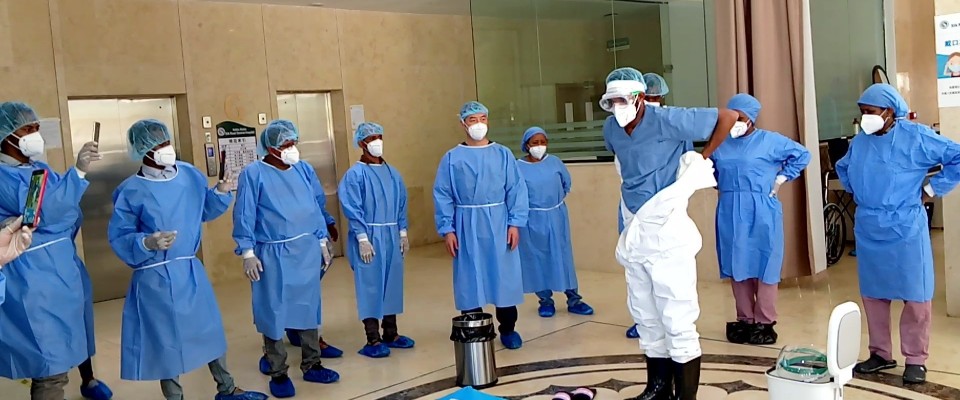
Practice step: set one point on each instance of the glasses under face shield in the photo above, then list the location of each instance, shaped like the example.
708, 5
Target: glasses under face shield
609, 101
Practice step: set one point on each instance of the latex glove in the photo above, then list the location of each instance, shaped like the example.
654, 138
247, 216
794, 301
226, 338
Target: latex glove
327, 251
227, 185
14, 239
513, 237
776, 185
252, 267
404, 243
366, 251
158, 241
89, 153
452, 244
928, 194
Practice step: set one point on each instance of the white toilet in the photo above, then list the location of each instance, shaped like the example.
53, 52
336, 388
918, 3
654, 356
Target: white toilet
843, 348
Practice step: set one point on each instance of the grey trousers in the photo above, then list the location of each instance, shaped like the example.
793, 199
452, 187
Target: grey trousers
49, 388
218, 368
276, 352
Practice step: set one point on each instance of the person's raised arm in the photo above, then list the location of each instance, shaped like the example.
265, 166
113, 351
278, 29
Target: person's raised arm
725, 120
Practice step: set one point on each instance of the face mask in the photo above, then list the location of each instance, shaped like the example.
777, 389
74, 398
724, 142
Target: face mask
538, 152
31, 145
477, 131
954, 68
653, 103
165, 156
290, 155
872, 123
739, 129
375, 148
625, 113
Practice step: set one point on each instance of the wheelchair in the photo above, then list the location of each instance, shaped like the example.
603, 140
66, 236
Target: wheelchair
836, 200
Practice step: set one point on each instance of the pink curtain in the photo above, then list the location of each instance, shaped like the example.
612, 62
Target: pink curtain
759, 51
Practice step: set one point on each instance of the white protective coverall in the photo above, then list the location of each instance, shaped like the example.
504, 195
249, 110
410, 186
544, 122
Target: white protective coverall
658, 249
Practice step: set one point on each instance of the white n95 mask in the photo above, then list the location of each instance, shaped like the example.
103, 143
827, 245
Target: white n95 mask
538, 152
625, 113
31, 145
954, 68
871, 123
477, 131
652, 103
739, 129
290, 155
165, 156
375, 148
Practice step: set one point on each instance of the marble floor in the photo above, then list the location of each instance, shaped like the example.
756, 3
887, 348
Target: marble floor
564, 351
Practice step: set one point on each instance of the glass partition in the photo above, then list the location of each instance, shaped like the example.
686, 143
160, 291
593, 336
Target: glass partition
543, 63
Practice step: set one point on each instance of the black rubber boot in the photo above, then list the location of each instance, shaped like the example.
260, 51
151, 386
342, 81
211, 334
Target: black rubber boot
659, 379
686, 378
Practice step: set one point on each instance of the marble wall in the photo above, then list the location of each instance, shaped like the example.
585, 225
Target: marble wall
949, 127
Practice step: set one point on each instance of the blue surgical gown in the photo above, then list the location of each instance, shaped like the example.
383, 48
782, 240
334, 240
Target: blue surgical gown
885, 174
171, 321
546, 252
478, 194
46, 321
650, 156
279, 214
749, 221
374, 200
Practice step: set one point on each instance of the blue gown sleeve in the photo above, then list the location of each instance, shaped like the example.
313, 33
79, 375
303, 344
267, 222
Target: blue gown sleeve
793, 156
321, 197
687, 124
937, 150
215, 204
565, 177
61, 199
402, 194
3, 287
123, 232
842, 166
518, 200
443, 201
351, 200
607, 127
245, 211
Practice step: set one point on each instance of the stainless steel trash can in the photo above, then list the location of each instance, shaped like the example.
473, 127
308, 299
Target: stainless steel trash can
472, 337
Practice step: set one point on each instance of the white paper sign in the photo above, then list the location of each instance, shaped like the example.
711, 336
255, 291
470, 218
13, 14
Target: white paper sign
356, 116
948, 59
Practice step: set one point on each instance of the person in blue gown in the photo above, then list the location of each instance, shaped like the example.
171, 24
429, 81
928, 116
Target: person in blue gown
46, 321
546, 251
751, 166
171, 321
480, 203
885, 170
374, 200
282, 237
14, 240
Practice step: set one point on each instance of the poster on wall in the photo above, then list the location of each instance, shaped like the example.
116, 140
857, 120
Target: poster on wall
238, 147
948, 59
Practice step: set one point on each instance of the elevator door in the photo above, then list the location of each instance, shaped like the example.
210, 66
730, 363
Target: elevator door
109, 275
311, 112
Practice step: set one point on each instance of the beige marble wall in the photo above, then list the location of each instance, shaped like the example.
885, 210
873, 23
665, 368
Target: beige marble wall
916, 63
303, 48
950, 127
411, 73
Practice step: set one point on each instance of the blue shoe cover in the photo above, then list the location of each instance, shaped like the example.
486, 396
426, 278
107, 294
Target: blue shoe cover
264, 365
511, 340
282, 388
100, 391
242, 396
320, 374
330, 352
547, 310
580, 308
401, 342
632, 333
293, 337
375, 351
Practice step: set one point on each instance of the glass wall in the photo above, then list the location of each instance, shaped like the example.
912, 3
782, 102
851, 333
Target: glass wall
848, 41
543, 62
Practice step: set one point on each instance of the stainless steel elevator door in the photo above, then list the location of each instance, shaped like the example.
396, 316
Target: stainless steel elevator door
109, 275
312, 114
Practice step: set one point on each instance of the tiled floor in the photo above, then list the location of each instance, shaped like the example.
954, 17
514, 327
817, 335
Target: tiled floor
566, 350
